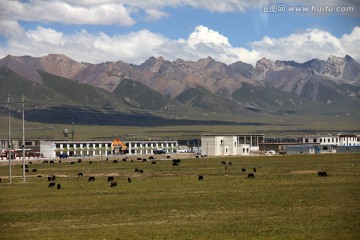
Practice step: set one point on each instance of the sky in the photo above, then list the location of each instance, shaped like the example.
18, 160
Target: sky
132, 31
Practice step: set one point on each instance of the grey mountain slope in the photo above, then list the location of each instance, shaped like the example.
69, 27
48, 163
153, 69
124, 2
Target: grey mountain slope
206, 85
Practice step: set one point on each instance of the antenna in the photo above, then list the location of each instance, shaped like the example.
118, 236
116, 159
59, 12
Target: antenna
72, 129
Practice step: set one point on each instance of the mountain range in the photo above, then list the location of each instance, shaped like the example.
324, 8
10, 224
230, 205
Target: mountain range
173, 90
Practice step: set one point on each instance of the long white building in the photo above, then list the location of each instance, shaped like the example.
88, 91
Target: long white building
338, 140
50, 149
231, 145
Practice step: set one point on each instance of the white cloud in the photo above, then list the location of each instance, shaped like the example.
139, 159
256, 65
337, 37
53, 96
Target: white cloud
135, 47
205, 35
11, 29
154, 14
46, 35
312, 43
125, 12
59, 11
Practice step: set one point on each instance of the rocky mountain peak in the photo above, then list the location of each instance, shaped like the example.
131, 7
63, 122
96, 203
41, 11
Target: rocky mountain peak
265, 64
262, 66
334, 66
158, 64
153, 64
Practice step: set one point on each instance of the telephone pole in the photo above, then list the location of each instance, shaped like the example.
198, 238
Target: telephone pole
23, 133
72, 129
9, 134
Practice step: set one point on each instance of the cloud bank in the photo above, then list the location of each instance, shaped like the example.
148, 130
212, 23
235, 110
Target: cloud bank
137, 46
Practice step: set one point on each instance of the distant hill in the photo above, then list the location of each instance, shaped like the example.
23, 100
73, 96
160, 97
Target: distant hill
181, 90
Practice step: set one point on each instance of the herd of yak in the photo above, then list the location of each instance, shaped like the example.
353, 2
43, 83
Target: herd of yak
113, 183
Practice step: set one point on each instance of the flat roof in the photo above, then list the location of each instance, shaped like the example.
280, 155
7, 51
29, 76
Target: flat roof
229, 134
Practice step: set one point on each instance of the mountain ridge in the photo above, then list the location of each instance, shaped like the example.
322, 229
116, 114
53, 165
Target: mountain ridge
206, 85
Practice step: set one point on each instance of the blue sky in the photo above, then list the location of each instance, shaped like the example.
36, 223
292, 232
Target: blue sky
227, 30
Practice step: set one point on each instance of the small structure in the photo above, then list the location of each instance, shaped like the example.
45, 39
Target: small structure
302, 149
230, 145
118, 147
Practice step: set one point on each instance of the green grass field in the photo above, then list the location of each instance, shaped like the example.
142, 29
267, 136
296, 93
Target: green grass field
285, 200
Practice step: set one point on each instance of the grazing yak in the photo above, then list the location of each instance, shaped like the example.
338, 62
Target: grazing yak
176, 162
113, 184
243, 169
110, 178
58, 186
91, 179
34, 170
80, 174
322, 174
129, 180
250, 175
201, 178
52, 184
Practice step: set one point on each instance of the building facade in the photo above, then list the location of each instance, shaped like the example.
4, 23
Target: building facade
50, 149
230, 145
338, 140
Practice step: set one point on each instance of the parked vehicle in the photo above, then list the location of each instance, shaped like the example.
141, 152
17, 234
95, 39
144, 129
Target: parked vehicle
159, 151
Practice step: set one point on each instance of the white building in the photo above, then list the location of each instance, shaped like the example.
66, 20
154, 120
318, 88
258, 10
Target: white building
230, 145
338, 140
51, 149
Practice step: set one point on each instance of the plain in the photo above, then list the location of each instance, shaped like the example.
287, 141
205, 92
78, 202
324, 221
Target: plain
285, 200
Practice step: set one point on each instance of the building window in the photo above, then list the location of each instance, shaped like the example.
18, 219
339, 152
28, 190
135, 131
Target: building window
235, 144
221, 142
314, 140
321, 140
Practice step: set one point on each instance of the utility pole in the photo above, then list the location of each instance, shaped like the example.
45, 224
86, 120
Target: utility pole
72, 129
9, 134
23, 134
101, 159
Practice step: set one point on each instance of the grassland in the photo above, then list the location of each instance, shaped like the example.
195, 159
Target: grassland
285, 200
